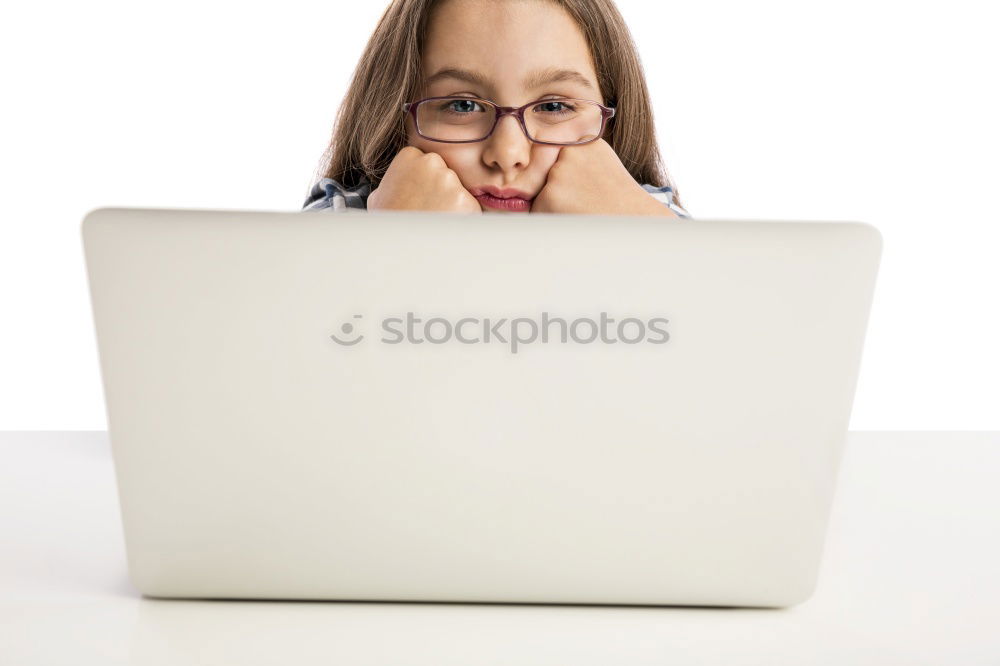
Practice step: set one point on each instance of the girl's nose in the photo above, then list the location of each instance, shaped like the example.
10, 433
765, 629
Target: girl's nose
511, 120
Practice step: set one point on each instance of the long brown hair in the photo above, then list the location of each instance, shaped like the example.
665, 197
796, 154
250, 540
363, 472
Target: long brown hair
389, 73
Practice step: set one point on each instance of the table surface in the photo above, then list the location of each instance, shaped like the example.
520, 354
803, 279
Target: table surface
910, 575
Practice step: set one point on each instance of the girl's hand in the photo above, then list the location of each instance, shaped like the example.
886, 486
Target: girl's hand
416, 180
591, 179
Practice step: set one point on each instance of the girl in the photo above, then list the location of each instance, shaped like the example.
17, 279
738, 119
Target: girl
497, 106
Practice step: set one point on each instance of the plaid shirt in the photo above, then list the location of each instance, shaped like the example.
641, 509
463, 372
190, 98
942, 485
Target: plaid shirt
328, 194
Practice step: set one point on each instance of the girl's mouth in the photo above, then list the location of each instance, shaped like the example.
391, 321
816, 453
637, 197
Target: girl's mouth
514, 204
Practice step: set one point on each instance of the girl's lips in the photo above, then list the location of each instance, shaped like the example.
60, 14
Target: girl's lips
501, 193
516, 204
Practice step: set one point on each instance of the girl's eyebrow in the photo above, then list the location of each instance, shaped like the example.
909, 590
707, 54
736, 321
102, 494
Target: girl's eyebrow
534, 80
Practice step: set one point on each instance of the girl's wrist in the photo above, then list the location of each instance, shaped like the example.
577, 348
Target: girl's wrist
646, 204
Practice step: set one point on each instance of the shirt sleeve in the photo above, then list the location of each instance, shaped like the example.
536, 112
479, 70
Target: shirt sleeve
665, 195
329, 195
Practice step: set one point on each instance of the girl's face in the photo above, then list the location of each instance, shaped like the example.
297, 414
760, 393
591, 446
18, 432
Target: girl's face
492, 50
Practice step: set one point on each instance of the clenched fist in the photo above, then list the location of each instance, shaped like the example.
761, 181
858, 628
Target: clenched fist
416, 180
590, 178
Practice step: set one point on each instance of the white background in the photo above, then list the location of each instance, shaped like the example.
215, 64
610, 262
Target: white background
877, 111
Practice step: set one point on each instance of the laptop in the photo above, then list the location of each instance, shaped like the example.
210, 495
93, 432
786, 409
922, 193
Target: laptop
441, 407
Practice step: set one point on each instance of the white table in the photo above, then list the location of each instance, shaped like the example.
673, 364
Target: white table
911, 575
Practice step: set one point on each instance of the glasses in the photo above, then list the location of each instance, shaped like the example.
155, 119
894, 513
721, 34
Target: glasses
558, 122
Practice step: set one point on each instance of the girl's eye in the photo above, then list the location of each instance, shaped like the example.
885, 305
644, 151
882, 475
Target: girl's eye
546, 107
461, 105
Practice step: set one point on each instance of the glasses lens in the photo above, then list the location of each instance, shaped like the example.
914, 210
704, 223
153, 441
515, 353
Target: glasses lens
563, 120
455, 119
469, 119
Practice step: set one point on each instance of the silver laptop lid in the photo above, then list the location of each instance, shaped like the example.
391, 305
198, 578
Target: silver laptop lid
438, 407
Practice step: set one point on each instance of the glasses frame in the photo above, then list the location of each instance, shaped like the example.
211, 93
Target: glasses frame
516, 111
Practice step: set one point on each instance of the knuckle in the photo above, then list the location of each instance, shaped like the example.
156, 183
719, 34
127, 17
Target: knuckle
444, 174
434, 159
404, 156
